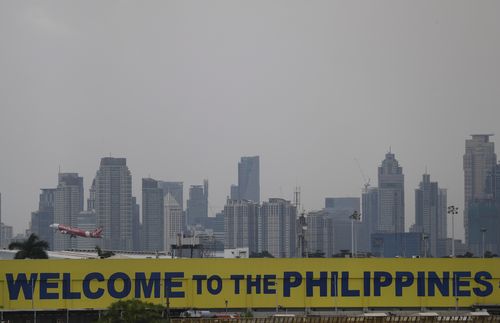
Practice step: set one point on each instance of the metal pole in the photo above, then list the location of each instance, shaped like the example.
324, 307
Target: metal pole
352, 238
453, 236
483, 231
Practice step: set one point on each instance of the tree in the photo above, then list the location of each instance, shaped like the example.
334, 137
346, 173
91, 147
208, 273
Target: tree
31, 248
133, 311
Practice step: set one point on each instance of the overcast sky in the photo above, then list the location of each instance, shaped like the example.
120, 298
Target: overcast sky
183, 89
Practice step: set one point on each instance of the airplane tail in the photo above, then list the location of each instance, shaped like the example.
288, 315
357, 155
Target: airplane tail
97, 232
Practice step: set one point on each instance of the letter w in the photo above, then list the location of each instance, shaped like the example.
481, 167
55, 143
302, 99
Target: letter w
21, 282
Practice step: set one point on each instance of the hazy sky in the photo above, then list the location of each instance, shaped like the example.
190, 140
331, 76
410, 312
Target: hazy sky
183, 89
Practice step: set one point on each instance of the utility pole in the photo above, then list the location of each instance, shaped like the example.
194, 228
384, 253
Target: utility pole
452, 210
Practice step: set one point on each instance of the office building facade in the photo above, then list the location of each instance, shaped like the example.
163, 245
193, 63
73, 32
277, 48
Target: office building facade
479, 160
152, 215
249, 179
197, 204
241, 225
278, 228
174, 221
41, 219
113, 203
391, 212
320, 234
176, 189
68, 203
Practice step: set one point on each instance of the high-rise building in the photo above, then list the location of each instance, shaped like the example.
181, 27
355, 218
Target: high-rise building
249, 179
430, 213
320, 233
174, 221
340, 210
68, 203
86, 221
484, 227
197, 204
391, 214
369, 213
91, 199
278, 228
136, 225
479, 160
235, 192
176, 189
152, 215
7, 232
41, 219
241, 225
113, 203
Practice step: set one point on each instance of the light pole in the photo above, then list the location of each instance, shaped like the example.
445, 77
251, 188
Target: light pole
424, 237
354, 216
452, 210
483, 231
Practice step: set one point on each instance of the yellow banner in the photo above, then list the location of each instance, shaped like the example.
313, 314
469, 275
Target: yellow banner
249, 283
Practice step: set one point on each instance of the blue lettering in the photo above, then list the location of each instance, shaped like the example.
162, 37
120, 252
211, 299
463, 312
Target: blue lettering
66, 286
380, 279
478, 278
170, 283
45, 284
433, 281
126, 285
345, 286
321, 283
288, 284
21, 282
146, 285
334, 283
86, 286
253, 283
403, 279
237, 279
210, 286
366, 283
421, 283
269, 283
199, 283
457, 283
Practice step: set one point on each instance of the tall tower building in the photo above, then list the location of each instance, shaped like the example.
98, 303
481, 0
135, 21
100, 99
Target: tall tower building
278, 234
479, 160
136, 225
175, 189
249, 179
197, 204
41, 219
113, 203
68, 203
320, 234
369, 212
391, 196
430, 213
241, 225
174, 221
152, 215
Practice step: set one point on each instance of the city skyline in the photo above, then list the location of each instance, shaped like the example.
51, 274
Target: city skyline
308, 87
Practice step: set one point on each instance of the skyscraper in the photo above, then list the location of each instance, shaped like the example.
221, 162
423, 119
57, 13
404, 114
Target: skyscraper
430, 213
241, 225
113, 203
479, 161
136, 225
152, 215
174, 221
340, 210
278, 234
197, 204
68, 203
249, 179
175, 189
320, 233
369, 213
41, 219
391, 197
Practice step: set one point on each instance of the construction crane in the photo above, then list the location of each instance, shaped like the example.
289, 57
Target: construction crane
365, 179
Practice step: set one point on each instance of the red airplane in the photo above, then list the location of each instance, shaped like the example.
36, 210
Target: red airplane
74, 232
